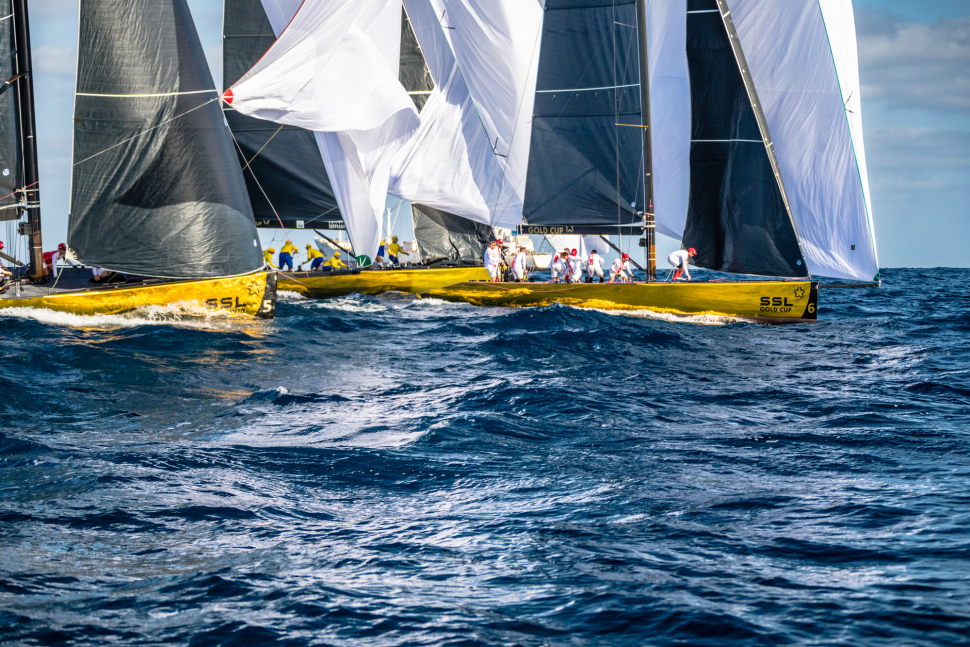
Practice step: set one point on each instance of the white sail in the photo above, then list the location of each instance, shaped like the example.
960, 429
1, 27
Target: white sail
670, 113
803, 60
333, 69
496, 44
448, 163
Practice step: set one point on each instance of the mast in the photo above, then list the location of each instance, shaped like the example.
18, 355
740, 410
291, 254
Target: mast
649, 220
25, 92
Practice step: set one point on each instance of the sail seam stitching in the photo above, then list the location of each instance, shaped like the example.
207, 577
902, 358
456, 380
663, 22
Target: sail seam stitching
158, 94
605, 87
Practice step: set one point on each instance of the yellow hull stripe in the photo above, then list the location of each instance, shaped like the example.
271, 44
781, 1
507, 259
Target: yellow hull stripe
241, 296
323, 286
768, 301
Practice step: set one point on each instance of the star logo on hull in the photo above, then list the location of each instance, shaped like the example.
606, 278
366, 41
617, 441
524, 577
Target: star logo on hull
799, 292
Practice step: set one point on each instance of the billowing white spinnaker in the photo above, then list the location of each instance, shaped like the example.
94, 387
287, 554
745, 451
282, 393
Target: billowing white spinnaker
496, 45
449, 163
803, 60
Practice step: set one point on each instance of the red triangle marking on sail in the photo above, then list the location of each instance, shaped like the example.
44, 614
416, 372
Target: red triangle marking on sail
227, 96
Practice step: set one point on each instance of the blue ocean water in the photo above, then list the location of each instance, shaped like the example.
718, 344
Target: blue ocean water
388, 471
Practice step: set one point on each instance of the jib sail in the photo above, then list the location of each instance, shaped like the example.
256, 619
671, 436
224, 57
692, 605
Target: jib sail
738, 218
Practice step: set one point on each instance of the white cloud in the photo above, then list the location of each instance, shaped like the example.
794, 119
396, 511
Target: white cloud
915, 65
54, 61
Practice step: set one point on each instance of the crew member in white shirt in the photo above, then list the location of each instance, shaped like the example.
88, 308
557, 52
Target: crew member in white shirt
621, 269
558, 267
678, 260
576, 267
493, 261
594, 267
518, 265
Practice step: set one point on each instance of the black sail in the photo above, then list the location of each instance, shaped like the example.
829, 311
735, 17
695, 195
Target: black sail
736, 219
156, 189
282, 166
446, 239
11, 143
584, 169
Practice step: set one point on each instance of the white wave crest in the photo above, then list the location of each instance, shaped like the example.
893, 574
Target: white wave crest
700, 320
182, 314
286, 295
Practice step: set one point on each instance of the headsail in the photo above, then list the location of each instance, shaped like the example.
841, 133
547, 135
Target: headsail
738, 218
282, 165
803, 61
11, 141
156, 188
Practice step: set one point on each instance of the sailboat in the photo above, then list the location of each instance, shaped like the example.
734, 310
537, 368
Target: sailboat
290, 187
732, 125
157, 197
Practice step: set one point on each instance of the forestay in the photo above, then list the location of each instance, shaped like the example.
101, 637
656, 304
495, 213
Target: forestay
156, 188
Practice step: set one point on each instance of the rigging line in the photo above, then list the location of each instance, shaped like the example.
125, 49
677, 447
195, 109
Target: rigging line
260, 186
262, 147
616, 115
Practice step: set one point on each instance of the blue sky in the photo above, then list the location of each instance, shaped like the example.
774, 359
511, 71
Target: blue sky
915, 70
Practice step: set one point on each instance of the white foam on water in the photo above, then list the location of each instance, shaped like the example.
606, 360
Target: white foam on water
350, 305
701, 320
182, 314
286, 295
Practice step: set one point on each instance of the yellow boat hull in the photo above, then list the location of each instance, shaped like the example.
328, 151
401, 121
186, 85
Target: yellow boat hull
250, 296
327, 285
763, 301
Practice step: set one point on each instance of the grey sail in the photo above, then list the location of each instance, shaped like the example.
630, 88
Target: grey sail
157, 189
585, 171
447, 239
737, 219
285, 175
414, 73
11, 143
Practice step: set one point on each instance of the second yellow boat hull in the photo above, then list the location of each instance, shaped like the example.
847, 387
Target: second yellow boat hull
763, 301
326, 285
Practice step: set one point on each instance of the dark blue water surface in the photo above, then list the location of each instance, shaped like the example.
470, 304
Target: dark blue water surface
374, 470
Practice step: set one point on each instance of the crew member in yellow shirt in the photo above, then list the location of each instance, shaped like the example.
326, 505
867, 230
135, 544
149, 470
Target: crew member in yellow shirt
393, 250
268, 256
287, 253
314, 256
335, 263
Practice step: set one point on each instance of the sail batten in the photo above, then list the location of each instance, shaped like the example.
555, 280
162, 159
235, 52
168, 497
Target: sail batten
156, 188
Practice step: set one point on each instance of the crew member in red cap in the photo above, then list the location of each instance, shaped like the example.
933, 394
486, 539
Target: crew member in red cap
576, 267
51, 258
621, 268
678, 260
